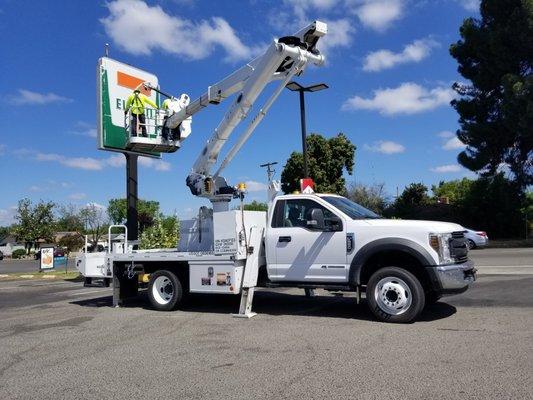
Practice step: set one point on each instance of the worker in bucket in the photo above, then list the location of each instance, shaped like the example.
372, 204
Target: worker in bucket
167, 132
137, 102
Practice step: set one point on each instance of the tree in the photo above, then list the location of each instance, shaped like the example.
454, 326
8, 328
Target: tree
69, 219
147, 212
412, 198
495, 54
71, 242
96, 220
34, 222
4, 231
327, 160
369, 196
256, 206
493, 204
164, 233
455, 190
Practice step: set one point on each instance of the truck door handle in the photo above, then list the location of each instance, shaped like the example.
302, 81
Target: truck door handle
284, 239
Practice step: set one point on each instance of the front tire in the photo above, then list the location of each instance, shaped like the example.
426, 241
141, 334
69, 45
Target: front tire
395, 295
164, 290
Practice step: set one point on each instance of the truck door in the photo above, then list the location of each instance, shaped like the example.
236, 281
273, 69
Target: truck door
303, 249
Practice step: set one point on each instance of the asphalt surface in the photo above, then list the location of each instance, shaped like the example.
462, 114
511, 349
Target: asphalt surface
493, 259
61, 340
8, 266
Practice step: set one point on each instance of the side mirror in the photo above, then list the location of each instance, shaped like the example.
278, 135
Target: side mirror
334, 224
317, 219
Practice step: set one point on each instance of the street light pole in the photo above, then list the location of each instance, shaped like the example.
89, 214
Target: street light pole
304, 133
296, 87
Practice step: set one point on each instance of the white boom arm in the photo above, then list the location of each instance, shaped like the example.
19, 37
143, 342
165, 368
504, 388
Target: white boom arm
282, 60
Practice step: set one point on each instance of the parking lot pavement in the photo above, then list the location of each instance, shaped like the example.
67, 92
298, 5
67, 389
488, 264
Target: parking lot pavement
503, 261
68, 342
8, 266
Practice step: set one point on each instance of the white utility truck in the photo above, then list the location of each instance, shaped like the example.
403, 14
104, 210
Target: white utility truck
305, 240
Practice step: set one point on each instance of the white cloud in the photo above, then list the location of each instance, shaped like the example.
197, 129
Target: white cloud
412, 53
446, 168
301, 8
87, 163
27, 97
116, 160
158, 165
469, 5
445, 134
254, 186
7, 216
77, 196
377, 14
408, 98
385, 147
453, 144
2, 149
139, 29
93, 164
35, 188
340, 34
84, 129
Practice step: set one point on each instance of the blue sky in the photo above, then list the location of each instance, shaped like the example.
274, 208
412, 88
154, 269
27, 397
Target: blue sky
388, 69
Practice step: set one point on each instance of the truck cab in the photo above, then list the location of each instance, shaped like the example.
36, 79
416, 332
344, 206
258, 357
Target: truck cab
327, 240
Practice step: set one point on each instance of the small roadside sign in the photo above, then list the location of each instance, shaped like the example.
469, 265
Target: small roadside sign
307, 186
47, 258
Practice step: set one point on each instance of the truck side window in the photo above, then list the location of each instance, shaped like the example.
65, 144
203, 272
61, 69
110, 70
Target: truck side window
297, 212
277, 216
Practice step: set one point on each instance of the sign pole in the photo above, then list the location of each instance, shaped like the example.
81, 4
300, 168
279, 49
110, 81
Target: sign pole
131, 196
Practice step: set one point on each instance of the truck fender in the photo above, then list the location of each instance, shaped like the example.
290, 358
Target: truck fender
383, 245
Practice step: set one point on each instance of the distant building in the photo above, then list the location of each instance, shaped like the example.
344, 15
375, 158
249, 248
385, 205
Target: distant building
9, 244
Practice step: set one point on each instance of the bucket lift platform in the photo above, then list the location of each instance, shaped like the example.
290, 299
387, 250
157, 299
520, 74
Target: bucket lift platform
152, 144
153, 127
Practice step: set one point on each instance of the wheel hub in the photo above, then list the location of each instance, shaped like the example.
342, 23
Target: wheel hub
163, 290
393, 295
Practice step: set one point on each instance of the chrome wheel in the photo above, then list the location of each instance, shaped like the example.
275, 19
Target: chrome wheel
163, 290
393, 295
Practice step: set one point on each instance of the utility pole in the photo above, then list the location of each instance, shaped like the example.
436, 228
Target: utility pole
270, 171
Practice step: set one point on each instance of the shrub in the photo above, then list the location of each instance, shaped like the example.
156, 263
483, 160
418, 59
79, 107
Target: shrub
18, 253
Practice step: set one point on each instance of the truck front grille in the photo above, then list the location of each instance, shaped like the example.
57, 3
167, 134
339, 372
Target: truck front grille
458, 247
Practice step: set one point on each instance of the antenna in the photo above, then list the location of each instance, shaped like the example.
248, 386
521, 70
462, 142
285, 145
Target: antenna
106, 50
270, 171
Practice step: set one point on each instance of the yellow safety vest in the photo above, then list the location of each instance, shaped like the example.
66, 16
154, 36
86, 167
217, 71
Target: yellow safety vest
137, 101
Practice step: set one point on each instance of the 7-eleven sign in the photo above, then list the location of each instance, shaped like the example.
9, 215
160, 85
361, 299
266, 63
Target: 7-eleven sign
307, 185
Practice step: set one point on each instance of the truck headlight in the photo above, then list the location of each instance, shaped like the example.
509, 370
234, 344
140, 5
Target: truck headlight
440, 242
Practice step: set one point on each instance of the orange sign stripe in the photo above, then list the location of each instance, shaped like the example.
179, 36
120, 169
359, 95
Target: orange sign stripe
131, 82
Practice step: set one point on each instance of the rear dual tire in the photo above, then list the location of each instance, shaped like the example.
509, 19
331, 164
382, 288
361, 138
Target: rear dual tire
165, 290
395, 295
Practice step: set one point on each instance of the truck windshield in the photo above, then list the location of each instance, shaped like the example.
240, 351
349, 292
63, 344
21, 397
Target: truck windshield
348, 207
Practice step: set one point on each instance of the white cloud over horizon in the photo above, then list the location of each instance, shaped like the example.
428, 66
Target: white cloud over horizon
28, 97
160, 31
453, 144
412, 53
254, 186
443, 169
408, 98
385, 147
91, 163
77, 196
7, 215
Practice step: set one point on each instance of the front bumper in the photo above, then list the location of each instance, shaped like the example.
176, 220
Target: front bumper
454, 278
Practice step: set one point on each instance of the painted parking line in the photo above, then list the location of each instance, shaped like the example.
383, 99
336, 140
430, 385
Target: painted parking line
90, 292
504, 270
